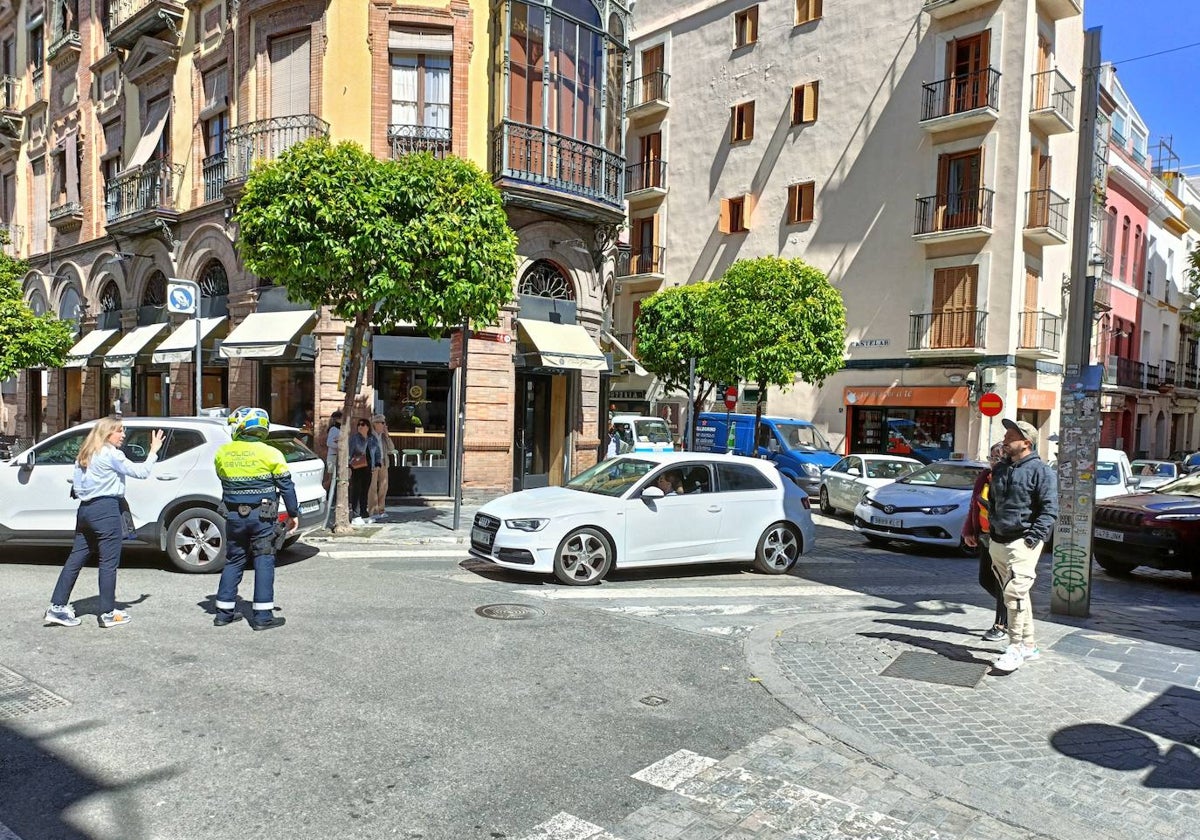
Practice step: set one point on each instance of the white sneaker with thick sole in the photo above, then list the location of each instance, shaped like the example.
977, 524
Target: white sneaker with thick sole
64, 615
115, 618
1030, 653
1010, 660
358, 520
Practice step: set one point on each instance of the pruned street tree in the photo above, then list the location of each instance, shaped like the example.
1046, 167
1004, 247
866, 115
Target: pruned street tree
416, 239
26, 338
1193, 275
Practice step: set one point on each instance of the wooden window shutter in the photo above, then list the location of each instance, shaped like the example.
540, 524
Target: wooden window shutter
723, 225
290, 68
793, 210
749, 120
804, 103
807, 199
733, 123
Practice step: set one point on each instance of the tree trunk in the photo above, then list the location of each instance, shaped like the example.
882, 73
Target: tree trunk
758, 410
341, 518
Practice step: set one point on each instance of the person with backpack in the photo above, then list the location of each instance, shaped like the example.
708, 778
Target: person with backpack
975, 535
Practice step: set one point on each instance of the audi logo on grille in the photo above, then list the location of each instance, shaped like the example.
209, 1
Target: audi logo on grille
889, 508
485, 521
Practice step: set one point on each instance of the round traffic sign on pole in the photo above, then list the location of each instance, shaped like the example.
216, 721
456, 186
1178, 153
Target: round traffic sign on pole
731, 397
990, 405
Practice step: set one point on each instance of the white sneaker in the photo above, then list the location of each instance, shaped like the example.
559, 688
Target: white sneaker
64, 615
1010, 660
358, 520
1031, 652
370, 520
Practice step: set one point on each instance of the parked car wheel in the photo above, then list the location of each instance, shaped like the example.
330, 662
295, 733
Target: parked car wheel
1114, 567
584, 557
778, 549
196, 540
826, 508
874, 540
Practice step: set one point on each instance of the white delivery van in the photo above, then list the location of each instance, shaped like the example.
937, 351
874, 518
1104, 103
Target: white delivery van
639, 433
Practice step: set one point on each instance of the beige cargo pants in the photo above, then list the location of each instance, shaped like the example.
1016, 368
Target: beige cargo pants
1015, 566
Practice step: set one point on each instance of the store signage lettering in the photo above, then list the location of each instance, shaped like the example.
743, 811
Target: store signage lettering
871, 342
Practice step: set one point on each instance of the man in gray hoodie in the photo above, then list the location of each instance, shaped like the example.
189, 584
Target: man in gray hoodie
1023, 504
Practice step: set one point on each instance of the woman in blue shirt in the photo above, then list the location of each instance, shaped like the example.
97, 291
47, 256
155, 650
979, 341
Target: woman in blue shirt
99, 484
365, 456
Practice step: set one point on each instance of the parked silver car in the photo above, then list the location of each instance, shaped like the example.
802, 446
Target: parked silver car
927, 507
174, 511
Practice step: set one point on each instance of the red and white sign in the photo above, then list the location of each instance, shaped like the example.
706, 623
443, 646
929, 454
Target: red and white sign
731, 395
990, 405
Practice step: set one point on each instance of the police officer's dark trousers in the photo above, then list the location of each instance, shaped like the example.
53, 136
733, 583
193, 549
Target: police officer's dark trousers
98, 532
249, 540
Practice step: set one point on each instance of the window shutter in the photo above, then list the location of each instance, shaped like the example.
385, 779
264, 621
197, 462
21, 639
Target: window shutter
807, 198
290, 68
748, 134
733, 123
723, 225
793, 209
809, 113
421, 40
71, 150
40, 219
216, 92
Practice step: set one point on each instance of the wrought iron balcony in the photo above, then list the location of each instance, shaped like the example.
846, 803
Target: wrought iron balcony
955, 215
1053, 107
213, 172
648, 176
1169, 373
406, 139
954, 329
646, 260
1188, 376
129, 20
961, 100
66, 215
1126, 372
1151, 372
12, 121
1041, 333
1102, 295
267, 140
134, 201
1045, 217
648, 95
557, 164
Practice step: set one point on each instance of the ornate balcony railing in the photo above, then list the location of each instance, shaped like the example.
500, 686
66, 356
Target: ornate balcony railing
954, 211
1102, 294
544, 158
646, 175
1188, 376
1166, 372
1040, 331
1129, 373
1046, 209
10, 93
213, 172
961, 93
1151, 374
266, 140
151, 187
1052, 92
406, 139
648, 259
956, 329
65, 210
652, 87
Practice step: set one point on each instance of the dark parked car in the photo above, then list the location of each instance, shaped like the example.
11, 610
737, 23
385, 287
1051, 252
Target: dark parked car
1160, 529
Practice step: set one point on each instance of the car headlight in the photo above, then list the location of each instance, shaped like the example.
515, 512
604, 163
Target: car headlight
938, 510
1178, 517
811, 470
526, 524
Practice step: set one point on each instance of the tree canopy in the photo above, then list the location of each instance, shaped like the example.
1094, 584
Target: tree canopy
671, 331
26, 338
1193, 276
416, 239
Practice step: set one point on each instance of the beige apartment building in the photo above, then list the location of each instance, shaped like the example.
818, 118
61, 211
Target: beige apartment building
921, 153
128, 129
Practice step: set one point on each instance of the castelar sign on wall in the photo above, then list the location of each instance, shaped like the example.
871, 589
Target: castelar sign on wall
871, 342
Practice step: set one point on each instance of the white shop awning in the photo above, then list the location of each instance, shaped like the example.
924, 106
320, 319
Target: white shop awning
89, 346
125, 351
566, 346
267, 335
180, 345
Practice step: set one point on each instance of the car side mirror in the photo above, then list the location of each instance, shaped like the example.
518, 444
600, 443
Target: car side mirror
854, 471
1133, 481
652, 493
25, 459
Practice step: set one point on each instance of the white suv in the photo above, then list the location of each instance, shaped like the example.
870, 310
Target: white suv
174, 510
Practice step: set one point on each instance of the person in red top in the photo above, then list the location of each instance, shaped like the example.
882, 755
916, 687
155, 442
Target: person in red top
975, 535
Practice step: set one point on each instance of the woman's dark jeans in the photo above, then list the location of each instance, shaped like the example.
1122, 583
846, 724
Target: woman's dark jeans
987, 579
360, 488
99, 530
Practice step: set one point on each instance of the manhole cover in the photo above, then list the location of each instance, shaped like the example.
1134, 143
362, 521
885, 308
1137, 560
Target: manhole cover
19, 696
653, 700
930, 667
508, 612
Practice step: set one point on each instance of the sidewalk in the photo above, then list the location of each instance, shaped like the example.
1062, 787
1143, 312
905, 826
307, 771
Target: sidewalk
424, 522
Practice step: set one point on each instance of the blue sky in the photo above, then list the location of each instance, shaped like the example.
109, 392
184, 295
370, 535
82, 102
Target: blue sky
1164, 89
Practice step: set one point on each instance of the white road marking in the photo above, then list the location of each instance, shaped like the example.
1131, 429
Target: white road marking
615, 592
563, 826
399, 553
7, 833
675, 769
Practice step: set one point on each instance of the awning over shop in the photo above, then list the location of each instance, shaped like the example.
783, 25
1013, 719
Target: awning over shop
89, 346
566, 346
612, 339
180, 346
410, 349
267, 335
125, 351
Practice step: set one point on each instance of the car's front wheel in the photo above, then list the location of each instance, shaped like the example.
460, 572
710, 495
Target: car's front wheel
778, 549
196, 540
583, 557
826, 508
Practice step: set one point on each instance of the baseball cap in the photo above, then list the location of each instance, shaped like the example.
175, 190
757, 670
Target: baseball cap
1025, 430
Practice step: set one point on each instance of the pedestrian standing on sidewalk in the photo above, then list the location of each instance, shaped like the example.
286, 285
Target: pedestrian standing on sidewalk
99, 483
332, 440
975, 535
377, 501
364, 458
1023, 506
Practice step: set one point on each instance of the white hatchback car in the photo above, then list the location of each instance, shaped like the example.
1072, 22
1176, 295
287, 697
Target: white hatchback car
726, 508
843, 484
174, 510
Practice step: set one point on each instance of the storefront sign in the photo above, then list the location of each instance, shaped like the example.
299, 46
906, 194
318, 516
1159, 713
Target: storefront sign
900, 395
871, 342
1033, 399
627, 395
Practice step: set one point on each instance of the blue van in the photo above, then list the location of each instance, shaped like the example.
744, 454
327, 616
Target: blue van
795, 446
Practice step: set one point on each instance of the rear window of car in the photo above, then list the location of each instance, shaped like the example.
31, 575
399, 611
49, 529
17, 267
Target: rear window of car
735, 477
292, 449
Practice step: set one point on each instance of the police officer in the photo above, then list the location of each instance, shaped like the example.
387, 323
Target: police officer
254, 478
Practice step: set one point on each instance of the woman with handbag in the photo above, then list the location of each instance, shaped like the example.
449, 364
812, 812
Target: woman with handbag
364, 458
99, 484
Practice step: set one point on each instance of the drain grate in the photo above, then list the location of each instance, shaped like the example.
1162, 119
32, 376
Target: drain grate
19, 696
508, 612
929, 667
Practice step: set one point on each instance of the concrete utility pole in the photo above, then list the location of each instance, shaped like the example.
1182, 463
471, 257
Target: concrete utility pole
1079, 430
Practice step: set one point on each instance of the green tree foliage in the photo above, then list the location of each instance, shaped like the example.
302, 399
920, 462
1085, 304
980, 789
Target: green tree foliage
415, 239
778, 320
1193, 276
26, 339
671, 331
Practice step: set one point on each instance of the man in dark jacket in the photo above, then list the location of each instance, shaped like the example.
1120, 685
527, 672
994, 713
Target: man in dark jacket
1023, 503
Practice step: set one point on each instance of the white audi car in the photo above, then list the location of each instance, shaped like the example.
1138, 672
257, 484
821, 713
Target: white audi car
705, 509
174, 510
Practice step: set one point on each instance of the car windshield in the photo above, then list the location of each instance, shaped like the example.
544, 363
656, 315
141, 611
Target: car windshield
798, 436
1153, 468
1108, 473
890, 469
292, 449
613, 477
943, 474
1189, 485
652, 430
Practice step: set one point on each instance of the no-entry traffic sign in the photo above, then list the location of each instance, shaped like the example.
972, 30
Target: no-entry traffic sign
990, 405
731, 398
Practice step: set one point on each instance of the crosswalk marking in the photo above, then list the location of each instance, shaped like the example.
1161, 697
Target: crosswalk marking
678, 767
805, 590
7, 833
563, 826
379, 553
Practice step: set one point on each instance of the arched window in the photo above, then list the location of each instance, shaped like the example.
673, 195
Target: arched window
1138, 263
545, 279
37, 302
69, 304
110, 298
213, 280
155, 293
1110, 240
1124, 275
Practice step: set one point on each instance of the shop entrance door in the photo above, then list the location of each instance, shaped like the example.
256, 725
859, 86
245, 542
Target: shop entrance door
531, 442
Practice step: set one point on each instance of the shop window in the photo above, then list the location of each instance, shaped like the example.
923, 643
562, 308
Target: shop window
926, 434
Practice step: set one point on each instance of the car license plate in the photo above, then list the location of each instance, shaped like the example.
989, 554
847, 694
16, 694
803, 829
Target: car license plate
886, 522
1105, 534
481, 536
310, 507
